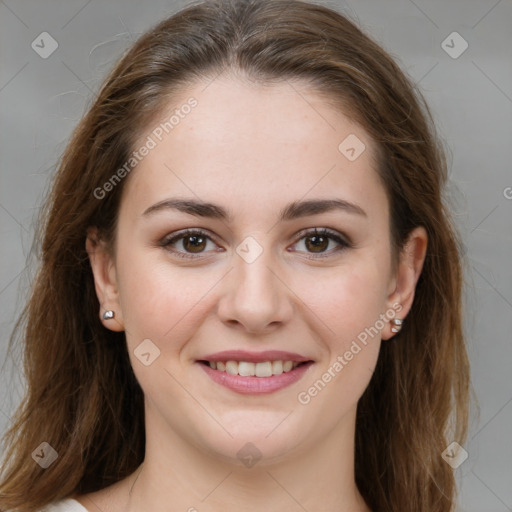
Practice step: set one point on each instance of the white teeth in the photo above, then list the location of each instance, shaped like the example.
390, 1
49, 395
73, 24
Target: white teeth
246, 369
277, 367
232, 367
287, 366
264, 369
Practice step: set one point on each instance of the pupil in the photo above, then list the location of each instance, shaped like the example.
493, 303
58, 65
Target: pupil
318, 242
194, 243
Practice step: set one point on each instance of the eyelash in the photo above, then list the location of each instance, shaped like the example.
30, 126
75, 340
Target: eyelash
322, 232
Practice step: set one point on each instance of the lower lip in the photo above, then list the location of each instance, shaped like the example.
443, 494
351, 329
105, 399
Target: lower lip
256, 385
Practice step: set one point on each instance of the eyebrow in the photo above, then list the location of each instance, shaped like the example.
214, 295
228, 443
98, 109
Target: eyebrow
294, 210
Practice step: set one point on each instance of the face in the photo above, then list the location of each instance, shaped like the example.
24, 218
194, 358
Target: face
277, 256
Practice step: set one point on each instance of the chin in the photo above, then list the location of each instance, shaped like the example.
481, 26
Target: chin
264, 439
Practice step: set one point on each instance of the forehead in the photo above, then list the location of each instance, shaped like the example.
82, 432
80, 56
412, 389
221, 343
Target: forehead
248, 143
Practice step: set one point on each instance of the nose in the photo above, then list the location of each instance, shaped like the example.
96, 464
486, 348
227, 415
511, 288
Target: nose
255, 298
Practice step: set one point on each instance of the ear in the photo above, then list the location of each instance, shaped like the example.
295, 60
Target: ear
105, 280
403, 283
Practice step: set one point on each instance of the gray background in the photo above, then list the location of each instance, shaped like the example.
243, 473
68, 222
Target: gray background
41, 100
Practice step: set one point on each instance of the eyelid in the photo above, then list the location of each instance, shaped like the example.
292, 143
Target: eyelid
323, 231
179, 235
341, 239
176, 235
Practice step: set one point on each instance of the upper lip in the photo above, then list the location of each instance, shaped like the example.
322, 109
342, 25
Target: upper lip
254, 357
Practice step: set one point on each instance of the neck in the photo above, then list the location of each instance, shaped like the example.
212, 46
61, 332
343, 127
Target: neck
319, 477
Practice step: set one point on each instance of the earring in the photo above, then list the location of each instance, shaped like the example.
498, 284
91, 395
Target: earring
397, 324
108, 315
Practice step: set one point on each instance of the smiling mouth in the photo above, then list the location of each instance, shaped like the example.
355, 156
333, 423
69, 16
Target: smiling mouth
248, 369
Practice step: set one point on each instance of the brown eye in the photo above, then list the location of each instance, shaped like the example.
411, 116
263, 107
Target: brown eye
189, 243
194, 243
319, 243
316, 243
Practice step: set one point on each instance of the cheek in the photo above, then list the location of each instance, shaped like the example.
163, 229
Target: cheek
157, 300
347, 298
348, 306
166, 306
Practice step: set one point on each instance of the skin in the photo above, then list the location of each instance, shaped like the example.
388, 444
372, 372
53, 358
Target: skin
252, 150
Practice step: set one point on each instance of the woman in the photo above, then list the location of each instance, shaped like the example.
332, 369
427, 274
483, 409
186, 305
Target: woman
250, 289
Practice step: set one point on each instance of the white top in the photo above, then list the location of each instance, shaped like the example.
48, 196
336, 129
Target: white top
67, 505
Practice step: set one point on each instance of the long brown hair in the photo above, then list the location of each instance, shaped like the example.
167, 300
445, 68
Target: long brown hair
83, 398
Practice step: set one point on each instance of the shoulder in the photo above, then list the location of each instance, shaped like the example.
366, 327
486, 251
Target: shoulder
67, 505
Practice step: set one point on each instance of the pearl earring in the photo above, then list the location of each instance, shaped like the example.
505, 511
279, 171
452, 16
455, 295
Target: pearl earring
397, 324
108, 315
